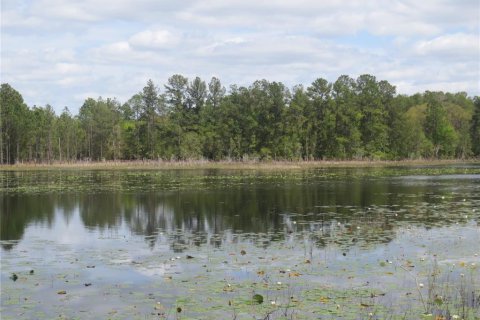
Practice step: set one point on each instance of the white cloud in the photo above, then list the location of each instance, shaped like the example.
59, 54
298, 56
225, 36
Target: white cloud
339, 24
64, 68
55, 51
391, 16
154, 39
408, 87
125, 57
452, 45
12, 19
72, 11
120, 47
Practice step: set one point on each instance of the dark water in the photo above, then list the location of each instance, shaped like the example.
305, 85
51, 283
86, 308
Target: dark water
128, 233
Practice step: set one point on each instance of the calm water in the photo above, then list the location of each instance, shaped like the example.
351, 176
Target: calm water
323, 243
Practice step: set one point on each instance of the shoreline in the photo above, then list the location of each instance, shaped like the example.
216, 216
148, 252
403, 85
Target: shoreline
225, 165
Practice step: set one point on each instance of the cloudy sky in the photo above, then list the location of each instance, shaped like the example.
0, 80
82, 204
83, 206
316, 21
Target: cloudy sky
62, 51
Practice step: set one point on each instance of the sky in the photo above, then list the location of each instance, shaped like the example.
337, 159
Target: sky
60, 52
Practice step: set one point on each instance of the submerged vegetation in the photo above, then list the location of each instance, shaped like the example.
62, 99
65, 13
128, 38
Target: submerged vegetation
360, 119
331, 243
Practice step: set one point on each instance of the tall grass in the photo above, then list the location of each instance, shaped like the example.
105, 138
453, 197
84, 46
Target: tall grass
224, 164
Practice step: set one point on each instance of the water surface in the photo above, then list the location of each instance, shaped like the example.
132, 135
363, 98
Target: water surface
319, 243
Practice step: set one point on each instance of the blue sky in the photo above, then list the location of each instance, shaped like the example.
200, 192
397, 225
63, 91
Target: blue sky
62, 51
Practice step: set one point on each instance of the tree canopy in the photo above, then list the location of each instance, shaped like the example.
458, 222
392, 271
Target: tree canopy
361, 118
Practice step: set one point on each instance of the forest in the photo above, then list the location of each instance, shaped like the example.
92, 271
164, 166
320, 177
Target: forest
360, 119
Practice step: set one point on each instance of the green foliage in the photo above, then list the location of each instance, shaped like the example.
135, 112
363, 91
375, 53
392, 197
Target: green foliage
350, 118
15, 123
460, 117
347, 120
475, 128
438, 129
100, 119
190, 146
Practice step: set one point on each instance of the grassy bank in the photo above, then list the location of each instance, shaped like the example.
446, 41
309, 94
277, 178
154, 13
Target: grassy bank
230, 165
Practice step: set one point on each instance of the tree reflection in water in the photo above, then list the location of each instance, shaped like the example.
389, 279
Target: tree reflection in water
361, 211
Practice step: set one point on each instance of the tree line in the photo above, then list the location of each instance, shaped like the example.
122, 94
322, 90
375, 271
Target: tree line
360, 118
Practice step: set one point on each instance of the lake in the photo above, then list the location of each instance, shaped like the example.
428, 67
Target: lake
324, 243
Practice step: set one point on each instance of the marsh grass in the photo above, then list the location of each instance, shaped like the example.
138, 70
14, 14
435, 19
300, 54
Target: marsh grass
450, 294
231, 165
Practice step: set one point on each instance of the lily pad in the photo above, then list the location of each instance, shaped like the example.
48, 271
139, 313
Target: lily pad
257, 298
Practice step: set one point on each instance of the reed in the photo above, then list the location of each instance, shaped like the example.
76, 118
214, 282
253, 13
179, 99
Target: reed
224, 164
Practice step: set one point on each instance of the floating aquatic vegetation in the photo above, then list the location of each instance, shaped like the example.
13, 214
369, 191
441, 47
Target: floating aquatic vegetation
346, 243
